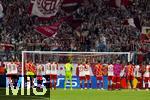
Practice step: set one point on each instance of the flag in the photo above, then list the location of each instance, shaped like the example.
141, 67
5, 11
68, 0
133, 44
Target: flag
145, 36
118, 3
122, 3
44, 8
131, 22
70, 6
1, 11
31, 6
135, 22
125, 2
49, 31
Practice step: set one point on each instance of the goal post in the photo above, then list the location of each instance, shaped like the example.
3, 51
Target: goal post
44, 56
60, 53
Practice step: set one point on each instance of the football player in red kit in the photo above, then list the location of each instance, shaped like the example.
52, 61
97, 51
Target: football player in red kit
87, 75
138, 75
116, 79
53, 73
147, 76
80, 72
110, 75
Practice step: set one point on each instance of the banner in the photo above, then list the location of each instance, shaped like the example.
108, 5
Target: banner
121, 3
49, 8
1, 11
70, 6
44, 8
145, 36
76, 82
125, 2
49, 31
135, 22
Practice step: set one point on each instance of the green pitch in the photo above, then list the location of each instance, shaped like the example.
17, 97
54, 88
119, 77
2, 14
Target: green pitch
91, 94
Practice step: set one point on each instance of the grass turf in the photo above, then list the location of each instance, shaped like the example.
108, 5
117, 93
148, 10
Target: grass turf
99, 94
90, 94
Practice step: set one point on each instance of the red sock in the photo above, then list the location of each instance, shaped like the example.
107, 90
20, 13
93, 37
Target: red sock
140, 85
109, 86
50, 84
113, 86
118, 86
146, 85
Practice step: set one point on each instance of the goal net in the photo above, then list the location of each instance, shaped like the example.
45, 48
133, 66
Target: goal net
43, 57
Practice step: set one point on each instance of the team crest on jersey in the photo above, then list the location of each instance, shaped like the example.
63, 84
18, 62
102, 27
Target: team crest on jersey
48, 6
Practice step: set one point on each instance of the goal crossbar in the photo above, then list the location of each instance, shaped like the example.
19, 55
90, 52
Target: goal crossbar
68, 53
62, 52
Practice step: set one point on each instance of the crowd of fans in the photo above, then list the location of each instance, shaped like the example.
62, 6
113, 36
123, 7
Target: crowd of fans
103, 28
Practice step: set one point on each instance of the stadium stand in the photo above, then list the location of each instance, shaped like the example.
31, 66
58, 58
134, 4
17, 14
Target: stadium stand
103, 28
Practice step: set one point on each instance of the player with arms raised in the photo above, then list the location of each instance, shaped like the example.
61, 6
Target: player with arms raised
68, 73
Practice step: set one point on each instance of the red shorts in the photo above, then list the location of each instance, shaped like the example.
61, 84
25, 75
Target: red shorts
110, 78
116, 79
99, 78
130, 77
146, 79
39, 77
12, 75
139, 79
53, 77
81, 78
87, 77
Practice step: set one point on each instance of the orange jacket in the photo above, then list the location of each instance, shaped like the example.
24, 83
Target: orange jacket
98, 70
